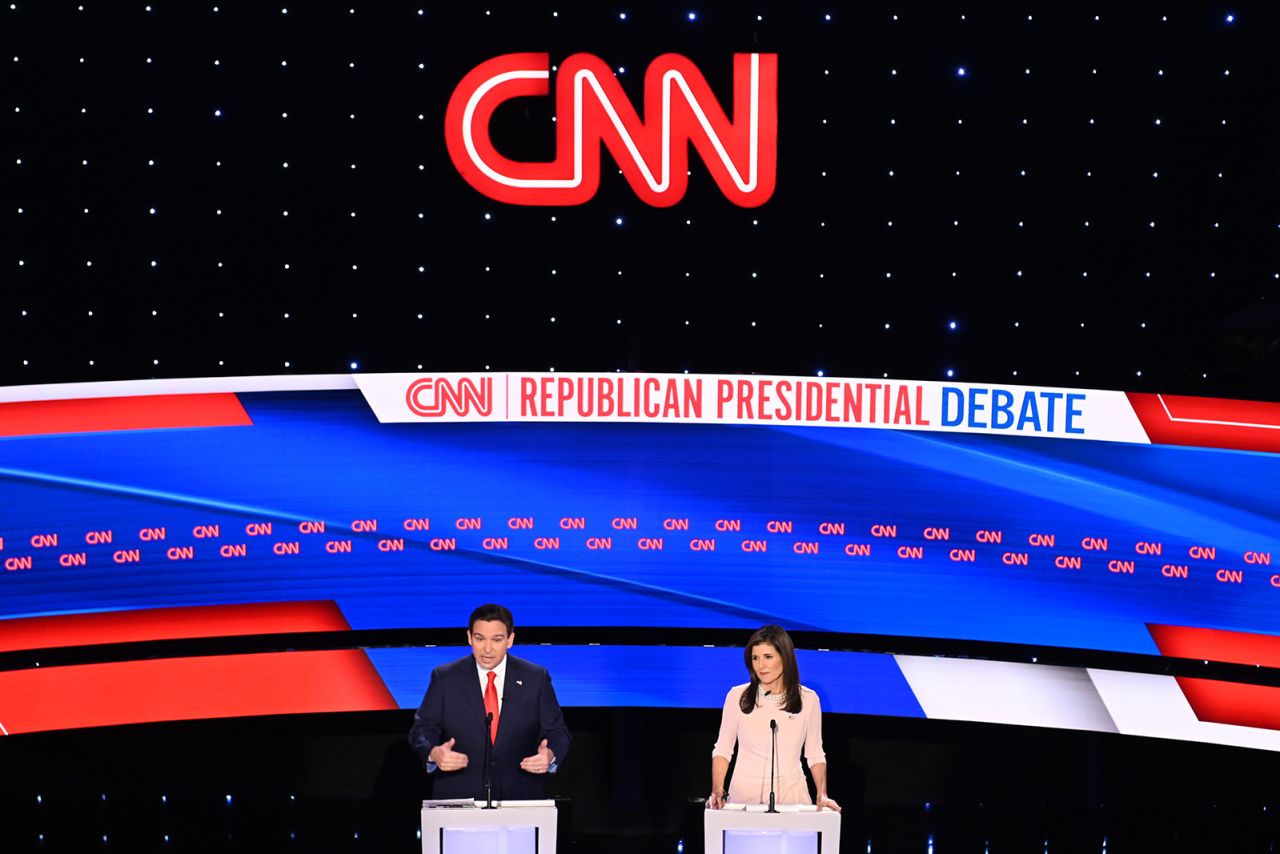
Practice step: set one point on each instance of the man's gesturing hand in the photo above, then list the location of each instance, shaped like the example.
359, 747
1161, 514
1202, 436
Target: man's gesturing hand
446, 758
539, 762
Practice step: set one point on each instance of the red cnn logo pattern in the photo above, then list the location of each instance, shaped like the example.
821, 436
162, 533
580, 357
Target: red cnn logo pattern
591, 109
433, 397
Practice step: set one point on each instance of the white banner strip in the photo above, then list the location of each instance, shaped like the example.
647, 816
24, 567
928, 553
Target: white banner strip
1153, 705
1005, 692
1009, 410
196, 385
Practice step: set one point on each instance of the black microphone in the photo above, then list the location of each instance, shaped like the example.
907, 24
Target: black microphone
488, 761
773, 756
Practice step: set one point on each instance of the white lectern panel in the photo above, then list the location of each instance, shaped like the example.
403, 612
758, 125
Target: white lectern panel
794, 830
489, 840
515, 827
771, 842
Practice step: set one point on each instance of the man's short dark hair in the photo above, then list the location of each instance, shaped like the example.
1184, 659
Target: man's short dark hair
491, 612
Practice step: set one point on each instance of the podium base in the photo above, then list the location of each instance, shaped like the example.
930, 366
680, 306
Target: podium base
510, 827
797, 830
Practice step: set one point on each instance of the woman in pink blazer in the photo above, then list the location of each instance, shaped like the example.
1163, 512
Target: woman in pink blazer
773, 694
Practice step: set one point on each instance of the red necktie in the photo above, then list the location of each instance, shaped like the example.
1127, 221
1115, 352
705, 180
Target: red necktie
491, 706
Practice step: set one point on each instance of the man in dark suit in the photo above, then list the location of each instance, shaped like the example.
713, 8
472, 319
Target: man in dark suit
528, 734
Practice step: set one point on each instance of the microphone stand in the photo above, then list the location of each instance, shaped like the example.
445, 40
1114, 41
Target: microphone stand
488, 762
773, 756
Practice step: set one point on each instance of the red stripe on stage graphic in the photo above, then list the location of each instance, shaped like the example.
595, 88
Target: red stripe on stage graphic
1246, 425
184, 688
102, 414
202, 621
173, 689
1225, 702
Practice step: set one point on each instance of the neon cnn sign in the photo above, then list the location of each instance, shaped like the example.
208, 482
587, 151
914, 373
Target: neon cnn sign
591, 109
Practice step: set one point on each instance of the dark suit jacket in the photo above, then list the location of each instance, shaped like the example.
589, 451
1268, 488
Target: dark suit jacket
454, 708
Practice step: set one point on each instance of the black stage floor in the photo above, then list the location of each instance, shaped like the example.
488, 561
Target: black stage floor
348, 825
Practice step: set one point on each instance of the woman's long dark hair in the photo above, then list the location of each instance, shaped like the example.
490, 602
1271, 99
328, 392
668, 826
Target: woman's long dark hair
776, 637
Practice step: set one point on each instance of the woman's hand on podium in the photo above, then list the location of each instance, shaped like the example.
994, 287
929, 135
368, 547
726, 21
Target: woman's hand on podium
715, 801
446, 758
825, 803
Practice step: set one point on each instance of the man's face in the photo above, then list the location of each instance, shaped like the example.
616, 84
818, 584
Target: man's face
490, 641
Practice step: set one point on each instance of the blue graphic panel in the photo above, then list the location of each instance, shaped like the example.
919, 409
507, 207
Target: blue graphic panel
1077, 544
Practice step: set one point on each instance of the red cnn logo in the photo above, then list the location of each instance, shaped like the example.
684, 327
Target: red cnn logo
434, 397
591, 108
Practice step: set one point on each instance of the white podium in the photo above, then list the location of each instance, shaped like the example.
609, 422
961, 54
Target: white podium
515, 827
794, 829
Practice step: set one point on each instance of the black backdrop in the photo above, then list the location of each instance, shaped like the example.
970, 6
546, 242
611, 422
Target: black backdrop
873, 90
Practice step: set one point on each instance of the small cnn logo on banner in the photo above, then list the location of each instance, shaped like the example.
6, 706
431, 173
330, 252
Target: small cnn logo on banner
461, 397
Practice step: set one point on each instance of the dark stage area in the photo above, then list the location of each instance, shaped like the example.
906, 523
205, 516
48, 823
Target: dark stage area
348, 783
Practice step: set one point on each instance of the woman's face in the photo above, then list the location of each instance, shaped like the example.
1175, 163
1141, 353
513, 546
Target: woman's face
767, 665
